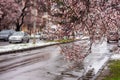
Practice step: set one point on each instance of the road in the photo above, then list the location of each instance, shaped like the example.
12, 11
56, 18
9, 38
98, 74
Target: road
41, 64
3, 43
13, 64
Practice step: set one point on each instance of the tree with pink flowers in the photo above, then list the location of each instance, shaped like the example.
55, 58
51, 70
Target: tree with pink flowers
9, 12
96, 17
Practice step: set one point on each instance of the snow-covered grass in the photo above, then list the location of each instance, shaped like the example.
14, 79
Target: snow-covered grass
20, 46
115, 57
12, 47
115, 52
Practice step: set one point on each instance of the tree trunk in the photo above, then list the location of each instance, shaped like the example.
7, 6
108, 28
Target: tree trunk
18, 27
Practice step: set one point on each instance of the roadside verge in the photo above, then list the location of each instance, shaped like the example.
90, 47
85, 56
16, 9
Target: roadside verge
14, 48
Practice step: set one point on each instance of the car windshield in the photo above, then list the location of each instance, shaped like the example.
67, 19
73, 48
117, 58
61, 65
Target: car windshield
18, 34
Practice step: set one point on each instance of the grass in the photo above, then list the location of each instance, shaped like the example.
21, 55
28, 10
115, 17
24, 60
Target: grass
61, 41
65, 40
114, 70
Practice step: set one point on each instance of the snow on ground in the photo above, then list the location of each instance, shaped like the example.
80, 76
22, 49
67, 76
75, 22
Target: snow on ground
100, 54
100, 48
115, 57
115, 51
11, 47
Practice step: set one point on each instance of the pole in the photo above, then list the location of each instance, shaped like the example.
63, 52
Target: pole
34, 24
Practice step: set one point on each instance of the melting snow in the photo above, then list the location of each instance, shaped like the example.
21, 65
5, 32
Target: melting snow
23, 46
115, 57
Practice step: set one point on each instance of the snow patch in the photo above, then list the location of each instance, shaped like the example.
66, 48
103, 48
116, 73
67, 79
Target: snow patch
12, 47
115, 57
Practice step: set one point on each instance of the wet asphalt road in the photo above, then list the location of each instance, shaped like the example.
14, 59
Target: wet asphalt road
41, 64
3, 43
45, 60
12, 62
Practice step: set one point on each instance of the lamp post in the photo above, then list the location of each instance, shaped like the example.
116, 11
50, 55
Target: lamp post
34, 23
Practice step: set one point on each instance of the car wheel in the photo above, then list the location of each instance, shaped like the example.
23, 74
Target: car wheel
5, 39
117, 41
22, 41
28, 41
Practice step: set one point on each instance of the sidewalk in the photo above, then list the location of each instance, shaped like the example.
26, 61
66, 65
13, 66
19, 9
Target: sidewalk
98, 59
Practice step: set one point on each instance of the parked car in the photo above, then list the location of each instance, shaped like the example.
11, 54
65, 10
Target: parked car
43, 36
37, 36
19, 37
113, 37
5, 34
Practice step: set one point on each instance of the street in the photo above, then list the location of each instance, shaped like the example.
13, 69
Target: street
47, 64
41, 64
3, 43
13, 63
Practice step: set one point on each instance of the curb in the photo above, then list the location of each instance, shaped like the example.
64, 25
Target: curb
32, 48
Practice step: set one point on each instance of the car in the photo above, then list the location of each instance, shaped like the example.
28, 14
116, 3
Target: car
43, 37
37, 36
113, 37
19, 37
5, 34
